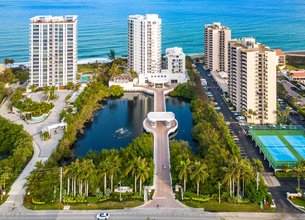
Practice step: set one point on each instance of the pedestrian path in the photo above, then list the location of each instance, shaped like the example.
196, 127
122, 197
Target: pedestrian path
270, 179
163, 196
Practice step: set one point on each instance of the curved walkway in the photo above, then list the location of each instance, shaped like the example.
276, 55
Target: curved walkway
163, 196
42, 150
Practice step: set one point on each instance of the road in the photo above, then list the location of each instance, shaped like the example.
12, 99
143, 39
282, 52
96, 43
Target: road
152, 214
248, 148
287, 85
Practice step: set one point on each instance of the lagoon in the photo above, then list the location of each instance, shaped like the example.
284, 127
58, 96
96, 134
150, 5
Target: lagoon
119, 121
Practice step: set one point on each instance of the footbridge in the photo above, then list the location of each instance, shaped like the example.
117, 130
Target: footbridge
161, 124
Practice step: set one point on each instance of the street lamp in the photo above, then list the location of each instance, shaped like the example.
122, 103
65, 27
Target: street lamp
120, 191
219, 184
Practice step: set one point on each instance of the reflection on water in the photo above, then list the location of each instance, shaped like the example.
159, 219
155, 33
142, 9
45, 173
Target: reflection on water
121, 120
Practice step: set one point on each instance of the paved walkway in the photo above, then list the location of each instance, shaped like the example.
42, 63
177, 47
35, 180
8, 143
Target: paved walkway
42, 150
163, 196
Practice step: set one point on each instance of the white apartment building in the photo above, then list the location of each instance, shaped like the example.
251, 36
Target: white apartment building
144, 45
216, 38
175, 60
175, 71
252, 80
53, 50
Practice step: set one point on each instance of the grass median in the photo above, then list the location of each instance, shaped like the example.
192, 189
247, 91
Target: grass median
214, 206
108, 204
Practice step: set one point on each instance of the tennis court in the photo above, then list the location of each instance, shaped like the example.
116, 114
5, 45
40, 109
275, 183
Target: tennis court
272, 140
277, 148
298, 143
280, 144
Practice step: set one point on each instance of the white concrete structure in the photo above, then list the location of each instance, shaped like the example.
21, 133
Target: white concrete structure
216, 38
252, 80
175, 72
53, 50
144, 44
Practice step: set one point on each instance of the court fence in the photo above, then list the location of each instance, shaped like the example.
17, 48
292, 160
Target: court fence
277, 127
277, 165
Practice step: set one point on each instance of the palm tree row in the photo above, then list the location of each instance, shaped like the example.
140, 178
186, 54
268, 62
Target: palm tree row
196, 171
81, 173
241, 171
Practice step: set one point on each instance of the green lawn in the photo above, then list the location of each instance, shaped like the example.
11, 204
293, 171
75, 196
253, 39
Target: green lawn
298, 201
84, 206
107, 205
3, 199
280, 134
214, 206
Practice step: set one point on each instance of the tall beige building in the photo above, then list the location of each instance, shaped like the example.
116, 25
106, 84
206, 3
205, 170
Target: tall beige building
216, 38
252, 80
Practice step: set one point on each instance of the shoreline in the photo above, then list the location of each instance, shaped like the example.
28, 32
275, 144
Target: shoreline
106, 60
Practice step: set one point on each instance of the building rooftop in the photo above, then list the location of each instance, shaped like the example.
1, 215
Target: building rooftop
300, 73
148, 17
249, 44
279, 52
174, 51
53, 19
216, 26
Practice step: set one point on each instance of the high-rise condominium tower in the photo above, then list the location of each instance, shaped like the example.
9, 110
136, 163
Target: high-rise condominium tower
144, 44
252, 80
216, 38
53, 50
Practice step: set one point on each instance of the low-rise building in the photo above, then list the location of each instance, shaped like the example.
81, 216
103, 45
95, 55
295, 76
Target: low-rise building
174, 73
281, 57
298, 76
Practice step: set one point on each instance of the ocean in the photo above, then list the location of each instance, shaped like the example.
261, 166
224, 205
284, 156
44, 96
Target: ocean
103, 23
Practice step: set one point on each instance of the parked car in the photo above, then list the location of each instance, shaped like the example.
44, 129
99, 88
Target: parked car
102, 216
239, 118
217, 108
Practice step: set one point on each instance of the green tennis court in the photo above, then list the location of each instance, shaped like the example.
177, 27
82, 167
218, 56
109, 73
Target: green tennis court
280, 144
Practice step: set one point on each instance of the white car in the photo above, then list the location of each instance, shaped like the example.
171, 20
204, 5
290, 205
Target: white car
217, 108
102, 216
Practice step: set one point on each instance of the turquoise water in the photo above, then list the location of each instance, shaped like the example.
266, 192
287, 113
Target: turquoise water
103, 23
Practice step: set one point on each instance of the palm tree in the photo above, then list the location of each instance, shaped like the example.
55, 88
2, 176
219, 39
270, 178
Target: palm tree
184, 169
247, 173
111, 55
144, 171
9, 62
133, 168
252, 114
258, 167
199, 173
299, 171
115, 162
228, 177
88, 168
47, 91
52, 93
104, 170
33, 87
